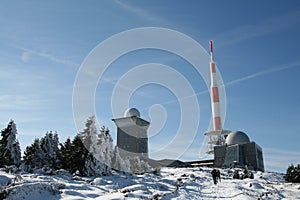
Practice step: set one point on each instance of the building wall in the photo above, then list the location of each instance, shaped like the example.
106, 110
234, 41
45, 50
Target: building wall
220, 152
254, 155
130, 143
260, 158
234, 154
249, 154
132, 138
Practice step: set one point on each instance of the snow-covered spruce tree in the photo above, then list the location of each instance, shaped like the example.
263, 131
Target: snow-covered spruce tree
33, 155
89, 133
10, 152
139, 166
94, 167
52, 156
66, 154
78, 156
118, 163
103, 148
100, 148
293, 174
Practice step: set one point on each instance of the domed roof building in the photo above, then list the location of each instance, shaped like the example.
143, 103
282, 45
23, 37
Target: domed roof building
132, 136
238, 150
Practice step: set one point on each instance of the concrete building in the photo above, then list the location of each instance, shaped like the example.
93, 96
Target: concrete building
239, 150
132, 137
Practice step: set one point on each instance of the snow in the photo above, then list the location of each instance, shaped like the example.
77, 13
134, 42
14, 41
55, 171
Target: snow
4, 180
172, 183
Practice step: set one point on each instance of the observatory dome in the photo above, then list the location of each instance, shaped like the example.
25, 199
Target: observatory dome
237, 137
132, 112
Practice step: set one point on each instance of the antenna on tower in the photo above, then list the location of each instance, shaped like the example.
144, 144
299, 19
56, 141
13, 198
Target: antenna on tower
217, 135
211, 50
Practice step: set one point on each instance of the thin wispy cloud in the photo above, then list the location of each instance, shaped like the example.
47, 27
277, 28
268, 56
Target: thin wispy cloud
138, 11
114, 81
27, 53
261, 73
20, 102
263, 28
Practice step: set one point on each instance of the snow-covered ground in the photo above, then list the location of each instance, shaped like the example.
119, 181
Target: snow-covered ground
172, 183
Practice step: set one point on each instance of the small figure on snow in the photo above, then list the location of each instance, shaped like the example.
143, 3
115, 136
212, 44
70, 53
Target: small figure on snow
216, 175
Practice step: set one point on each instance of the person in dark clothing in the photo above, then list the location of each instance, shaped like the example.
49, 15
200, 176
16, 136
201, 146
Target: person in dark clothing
216, 175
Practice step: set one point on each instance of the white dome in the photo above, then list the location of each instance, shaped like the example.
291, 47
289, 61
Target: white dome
237, 137
132, 112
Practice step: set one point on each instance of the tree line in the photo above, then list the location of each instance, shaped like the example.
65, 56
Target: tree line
90, 153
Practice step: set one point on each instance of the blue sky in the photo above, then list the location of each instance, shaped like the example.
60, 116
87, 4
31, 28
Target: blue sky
43, 44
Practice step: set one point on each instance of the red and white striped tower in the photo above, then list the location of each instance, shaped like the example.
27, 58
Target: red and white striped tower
214, 93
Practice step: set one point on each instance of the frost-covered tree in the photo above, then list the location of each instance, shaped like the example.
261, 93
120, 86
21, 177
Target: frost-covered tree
52, 156
89, 133
100, 146
139, 166
103, 148
44, 152
94, 167
10, 152
130, 164
119, 163
33, 155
